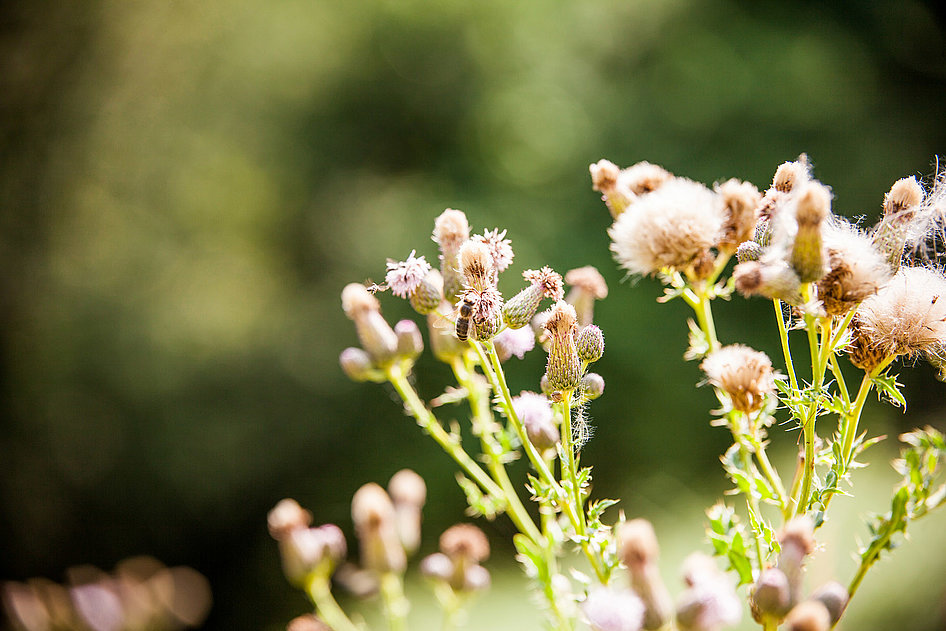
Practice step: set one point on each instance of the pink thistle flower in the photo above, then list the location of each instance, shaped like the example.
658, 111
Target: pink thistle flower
403, 277
516, 342
499, 247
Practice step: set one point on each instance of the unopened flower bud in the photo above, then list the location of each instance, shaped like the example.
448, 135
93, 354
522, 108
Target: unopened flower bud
486, 328
465, 541
812, 208
590, 343
637, 547
612, 609
356, 363
604, 178
428, 294
834, 597
564, 365
308, 622
900, 207
797, 541
775, 280
437, 566
375, 334
410, 344
789, 174
741, 201
709, 601
376, 526
476, 578
451, 230
409, 493
306, 550
763, 232
771, 595
285, 517
748, 251
592, 386
543, 283
810, 615
587, 285
535, 413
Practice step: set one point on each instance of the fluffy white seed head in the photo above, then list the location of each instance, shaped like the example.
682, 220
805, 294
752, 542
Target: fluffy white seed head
856, 268
668, 228
746, 375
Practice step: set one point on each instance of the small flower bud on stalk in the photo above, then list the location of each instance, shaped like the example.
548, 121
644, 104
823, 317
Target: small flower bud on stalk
462, 548
834, 597
543, 283
376, 527
307, 550
797, 542
375, 334
429, 293
357, 364
771, 595
788, 177
451, 230
744, 374
410, 344
587, 285
536, 415
308, 622
810, 615
285, 517
604, 178
564, 365
748, 251
775, 280
637, 547
409, 494
709, 603
590, 344
516, 342
812, 207
741, 201
900, 207
613, 609
592, 386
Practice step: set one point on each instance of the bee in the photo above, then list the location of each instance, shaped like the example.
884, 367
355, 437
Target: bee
464, 317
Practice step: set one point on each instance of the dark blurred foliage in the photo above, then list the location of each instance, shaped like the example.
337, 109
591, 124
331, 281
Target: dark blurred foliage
186, 187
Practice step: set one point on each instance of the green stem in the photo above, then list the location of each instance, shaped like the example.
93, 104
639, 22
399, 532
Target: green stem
753, 503
396, 605
431, 425
514, 507
319, 588
570, 467
786, 351
769, 471
769, 623
839, 377
704, 315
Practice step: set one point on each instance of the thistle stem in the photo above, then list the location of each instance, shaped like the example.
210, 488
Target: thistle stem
319, 588
700, 304
786, 351
396, 605
769, 471
429, 423
569, 466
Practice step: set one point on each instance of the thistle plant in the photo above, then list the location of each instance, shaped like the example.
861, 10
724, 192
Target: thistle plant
867, 297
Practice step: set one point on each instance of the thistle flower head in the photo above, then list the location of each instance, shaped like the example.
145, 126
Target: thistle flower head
669, 228
926, 238
744, 374
741, 203
773, 279
644, 177
564, 365
500, 248
856, 269
590, 343
621, 188
787, 177
748, 251
428, 295
376, 336
902, 216
811, 205
536, 415
356, 299
464, 541
834, 597
409, 493
516, 342
591, 386
907, 317
587, 285
771, 594
476, 265
451, 230
637, 543
403, 277
306, 549
710, 601
543, 283
613, 609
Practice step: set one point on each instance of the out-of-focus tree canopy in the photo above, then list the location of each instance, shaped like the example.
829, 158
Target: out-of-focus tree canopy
185, 187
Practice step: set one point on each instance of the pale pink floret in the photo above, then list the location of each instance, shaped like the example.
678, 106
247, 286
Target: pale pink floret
516, 342
403, 277
499, 247
668, 228
613, 609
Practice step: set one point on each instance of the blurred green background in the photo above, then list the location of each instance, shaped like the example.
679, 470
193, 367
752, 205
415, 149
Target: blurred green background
185, 187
